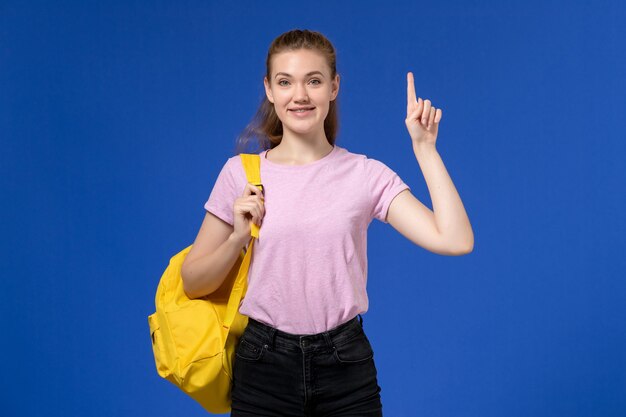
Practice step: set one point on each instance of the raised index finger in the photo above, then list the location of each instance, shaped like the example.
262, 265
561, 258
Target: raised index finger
410, 89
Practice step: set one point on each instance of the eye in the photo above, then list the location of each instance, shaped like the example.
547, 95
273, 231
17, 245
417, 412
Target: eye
283, 80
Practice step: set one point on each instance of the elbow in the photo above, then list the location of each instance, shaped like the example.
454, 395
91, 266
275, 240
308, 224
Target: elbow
465, 249
192, 288
460, 248
464, 245
452, 249
188, 291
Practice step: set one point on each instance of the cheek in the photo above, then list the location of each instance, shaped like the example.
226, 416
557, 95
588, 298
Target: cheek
281, 101
323, 96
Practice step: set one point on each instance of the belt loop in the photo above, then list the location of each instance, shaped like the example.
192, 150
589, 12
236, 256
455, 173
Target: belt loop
271, 336
329, 341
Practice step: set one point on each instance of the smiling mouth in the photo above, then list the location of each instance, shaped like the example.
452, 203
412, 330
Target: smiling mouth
301, 110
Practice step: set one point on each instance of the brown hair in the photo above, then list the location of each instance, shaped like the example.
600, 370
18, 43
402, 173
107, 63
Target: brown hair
265, 126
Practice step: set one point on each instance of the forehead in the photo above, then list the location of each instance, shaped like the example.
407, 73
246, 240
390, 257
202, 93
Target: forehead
299, 62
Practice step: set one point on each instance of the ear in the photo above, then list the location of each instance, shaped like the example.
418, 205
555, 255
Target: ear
268, 90
335, 88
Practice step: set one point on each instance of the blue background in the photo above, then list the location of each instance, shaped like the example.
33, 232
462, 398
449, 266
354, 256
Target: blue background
116, 117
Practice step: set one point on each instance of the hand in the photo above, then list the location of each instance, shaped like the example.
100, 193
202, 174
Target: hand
250, 207
422, 120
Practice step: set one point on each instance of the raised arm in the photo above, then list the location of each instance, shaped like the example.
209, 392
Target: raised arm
446, 230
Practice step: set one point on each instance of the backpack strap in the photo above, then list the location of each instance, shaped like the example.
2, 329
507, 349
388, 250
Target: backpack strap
252, 166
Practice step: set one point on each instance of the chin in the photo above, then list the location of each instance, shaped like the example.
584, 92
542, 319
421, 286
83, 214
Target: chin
301, 130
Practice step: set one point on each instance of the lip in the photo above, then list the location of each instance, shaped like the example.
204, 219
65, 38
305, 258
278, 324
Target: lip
304, 113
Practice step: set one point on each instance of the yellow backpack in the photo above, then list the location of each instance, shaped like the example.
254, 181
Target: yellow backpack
194, 340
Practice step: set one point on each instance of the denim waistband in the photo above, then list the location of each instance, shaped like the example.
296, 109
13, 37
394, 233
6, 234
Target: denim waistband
330, 338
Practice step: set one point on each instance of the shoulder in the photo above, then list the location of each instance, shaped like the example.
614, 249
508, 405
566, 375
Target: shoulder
232, 175
355, 156
346, 157
367, 165
234, 166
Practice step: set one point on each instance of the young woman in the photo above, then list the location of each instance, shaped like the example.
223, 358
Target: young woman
304, 350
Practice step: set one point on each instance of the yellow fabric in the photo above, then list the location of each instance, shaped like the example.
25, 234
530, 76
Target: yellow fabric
194, 340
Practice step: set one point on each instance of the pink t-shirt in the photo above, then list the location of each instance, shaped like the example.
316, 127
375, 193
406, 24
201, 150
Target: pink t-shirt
309, 265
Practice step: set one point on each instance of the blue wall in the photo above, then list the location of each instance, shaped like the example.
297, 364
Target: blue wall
115, 118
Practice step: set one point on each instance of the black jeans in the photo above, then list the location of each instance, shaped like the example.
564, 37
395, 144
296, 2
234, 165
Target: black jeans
332, 373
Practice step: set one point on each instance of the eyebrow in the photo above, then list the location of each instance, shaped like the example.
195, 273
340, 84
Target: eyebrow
307, 74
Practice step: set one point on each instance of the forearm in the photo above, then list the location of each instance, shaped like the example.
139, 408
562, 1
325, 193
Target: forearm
205, 275
450, 216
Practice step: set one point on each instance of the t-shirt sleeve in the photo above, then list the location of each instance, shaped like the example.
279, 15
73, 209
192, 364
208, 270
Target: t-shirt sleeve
226, 190
384, 184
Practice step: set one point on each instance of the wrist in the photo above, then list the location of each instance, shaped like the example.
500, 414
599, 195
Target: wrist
423, 148
239, 241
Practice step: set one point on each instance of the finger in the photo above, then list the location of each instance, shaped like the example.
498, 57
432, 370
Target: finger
431, 119
418, 109
426, 112
252, 190
413, 117
439, 115
254, 199
410, 89
260, 208
253, 209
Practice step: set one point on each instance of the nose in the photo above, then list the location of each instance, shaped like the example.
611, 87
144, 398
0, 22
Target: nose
301, 94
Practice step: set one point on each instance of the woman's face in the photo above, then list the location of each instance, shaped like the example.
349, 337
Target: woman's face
301, 78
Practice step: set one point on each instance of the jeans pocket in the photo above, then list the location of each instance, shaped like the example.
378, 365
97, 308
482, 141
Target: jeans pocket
355, 350
249, 349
